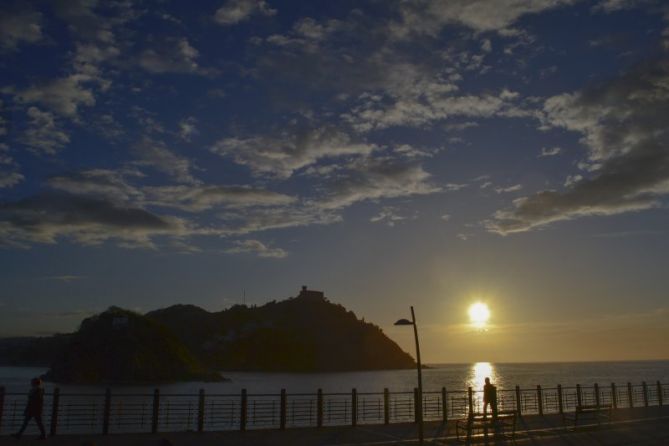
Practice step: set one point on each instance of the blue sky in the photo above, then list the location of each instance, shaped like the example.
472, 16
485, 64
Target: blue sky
429, 152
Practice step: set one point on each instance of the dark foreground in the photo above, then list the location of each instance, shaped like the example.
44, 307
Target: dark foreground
643, 426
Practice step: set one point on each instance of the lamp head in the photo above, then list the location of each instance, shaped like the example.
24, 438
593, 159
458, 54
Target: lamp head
404, 322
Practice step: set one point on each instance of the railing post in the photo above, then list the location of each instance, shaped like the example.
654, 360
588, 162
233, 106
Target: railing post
645, 393
283, 410
614, 396
2, 403
54, 412
559, 395
597, 401
519, 408
200, 411
470, 401
243, 411
579, 395
659, 395
107, 412
444, 404
386, 406
354, 407
540, 400
319, 408
416, 402
156, 410
630, 394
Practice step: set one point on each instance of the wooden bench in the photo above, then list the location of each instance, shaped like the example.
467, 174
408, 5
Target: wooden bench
599, 413
503, 423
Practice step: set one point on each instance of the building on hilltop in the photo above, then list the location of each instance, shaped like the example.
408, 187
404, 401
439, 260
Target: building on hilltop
311, 294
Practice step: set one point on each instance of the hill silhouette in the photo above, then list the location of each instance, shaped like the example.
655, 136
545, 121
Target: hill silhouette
119, 346
307, 333
301, 334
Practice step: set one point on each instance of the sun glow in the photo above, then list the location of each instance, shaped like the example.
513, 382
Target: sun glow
479, 314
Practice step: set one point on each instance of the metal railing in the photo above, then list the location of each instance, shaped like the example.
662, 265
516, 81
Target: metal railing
109, 413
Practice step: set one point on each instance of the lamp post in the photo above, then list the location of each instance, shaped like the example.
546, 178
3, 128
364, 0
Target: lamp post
420, 374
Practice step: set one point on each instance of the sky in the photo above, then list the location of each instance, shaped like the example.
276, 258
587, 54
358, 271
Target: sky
390, 153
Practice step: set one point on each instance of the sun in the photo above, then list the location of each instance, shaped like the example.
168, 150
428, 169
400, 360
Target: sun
479, 313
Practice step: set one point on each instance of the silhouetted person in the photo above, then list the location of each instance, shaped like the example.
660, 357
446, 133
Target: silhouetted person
489, 397
34, 408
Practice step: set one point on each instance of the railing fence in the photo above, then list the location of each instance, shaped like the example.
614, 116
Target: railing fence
110, 413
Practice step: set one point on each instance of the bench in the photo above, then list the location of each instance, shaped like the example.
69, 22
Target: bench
596, 412
503, 423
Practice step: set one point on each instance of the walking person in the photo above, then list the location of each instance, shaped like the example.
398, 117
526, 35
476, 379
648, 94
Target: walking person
489, 397
34, 408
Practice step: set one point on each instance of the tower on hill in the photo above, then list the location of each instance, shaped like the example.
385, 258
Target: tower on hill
311, 294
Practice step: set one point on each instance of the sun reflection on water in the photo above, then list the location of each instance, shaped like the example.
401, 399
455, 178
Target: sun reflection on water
479, 372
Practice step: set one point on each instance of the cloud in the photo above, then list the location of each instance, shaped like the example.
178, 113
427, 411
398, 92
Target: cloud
63, 96
44, 134
623, 127
256, 247
281, 155
390, 216
102, 183
171, 56
20, 26
429, 17
9, 169
200, 198
188, 128
549, 151
259, 219
10, 178
156, 154
373, 113
236, 11
505, 190
46, 218
373, 179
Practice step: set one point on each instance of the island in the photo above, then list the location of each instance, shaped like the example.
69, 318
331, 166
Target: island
305, 333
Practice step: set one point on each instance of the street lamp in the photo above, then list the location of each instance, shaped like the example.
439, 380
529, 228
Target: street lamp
420, 374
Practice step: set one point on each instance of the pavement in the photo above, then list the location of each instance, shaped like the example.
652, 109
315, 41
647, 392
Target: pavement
628, 427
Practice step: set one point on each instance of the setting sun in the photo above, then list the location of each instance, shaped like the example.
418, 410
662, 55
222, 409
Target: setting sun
479, 314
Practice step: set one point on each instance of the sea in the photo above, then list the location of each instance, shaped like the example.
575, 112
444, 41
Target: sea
435, 376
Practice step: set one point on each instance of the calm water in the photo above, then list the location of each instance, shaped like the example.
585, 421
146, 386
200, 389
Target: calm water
453, 376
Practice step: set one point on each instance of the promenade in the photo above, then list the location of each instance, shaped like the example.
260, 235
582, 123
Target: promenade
637, 426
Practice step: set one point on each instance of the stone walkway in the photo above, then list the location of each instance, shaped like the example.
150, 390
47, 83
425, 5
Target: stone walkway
635, 427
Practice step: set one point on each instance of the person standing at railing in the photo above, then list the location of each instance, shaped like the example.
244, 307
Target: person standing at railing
34, 408
489, 397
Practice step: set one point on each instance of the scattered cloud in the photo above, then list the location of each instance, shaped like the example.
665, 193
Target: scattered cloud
171, 56
101, 183
154, 153
188, 128
374, 179
428, 17
47, 218
505, 190
445, 217
550, 151
10, 175
390, 216
256, 247
623, 128
63, 96
281, 155
236, 11
199, 198
44, 133
19, 26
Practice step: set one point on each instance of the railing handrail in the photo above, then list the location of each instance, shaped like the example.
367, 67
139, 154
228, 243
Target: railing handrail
154, 411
